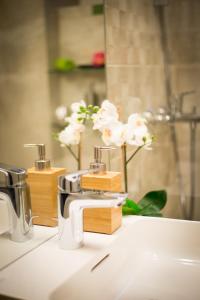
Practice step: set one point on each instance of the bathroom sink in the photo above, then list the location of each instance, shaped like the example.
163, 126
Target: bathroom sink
153, 258
12, 251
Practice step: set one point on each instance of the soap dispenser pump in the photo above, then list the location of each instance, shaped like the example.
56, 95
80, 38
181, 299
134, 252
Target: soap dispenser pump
42, 179
98, 164
41, 163
101, 180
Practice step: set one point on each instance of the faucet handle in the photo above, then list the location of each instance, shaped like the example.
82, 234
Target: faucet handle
4, 178
11, 176
71, 183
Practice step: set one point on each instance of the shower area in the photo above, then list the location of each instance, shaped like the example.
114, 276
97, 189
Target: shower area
159, 74
175, 114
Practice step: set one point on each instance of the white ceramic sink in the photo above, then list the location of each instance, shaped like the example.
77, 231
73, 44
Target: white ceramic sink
4, 217
152, 259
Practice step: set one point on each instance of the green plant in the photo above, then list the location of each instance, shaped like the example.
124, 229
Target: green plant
64, 65
150, 205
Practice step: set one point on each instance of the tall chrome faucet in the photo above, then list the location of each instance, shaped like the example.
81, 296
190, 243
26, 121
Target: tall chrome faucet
15, 192
71, 202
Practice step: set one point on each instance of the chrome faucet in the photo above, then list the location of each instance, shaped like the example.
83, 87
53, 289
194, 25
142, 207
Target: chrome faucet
72, 201
175, 113
15, 192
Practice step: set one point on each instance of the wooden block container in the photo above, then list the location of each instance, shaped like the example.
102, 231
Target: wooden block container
43, 190
111, 182
102, 220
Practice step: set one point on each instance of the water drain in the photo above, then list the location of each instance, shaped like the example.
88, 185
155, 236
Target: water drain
99, 262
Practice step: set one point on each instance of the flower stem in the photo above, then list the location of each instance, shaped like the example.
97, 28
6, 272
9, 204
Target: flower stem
134, 153
72, 153
125, 173
79, 160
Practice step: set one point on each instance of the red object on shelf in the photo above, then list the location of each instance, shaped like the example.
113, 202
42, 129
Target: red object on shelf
98, 59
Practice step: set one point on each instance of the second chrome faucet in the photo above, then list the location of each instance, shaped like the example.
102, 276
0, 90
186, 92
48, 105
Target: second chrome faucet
71, 203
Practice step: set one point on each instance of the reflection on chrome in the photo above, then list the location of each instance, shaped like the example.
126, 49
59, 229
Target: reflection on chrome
14, 191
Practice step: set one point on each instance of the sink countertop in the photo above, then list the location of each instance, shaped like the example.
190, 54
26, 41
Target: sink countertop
11, 251
39, 272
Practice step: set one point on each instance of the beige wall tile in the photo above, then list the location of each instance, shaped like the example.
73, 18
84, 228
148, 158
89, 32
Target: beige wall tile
24, 98
135, 69
26, 105
81, 33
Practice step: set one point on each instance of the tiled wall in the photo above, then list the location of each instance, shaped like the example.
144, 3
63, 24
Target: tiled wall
136, 81
24, 98
80, 35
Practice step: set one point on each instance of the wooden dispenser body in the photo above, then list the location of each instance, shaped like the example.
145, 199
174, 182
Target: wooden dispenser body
102, 220
43, 190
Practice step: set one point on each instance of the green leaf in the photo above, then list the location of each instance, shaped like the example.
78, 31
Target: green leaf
127, 211
149, 205
131, 206
156, 198
150, 212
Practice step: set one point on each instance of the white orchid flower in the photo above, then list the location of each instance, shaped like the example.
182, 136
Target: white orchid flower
109, 107
71, 134
114, 134
134, 136
75, 107
106, 115
61, 112
138, 137
136, 120
78, 127
136, 130
143, 140
74, 119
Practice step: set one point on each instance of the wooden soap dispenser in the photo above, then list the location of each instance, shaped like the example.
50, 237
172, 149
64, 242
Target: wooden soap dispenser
42, 179
102, 220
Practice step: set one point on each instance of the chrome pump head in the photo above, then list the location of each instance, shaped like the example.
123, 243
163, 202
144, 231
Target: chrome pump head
41, 163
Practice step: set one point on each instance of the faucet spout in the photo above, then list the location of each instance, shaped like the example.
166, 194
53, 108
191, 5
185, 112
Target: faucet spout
71, 233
